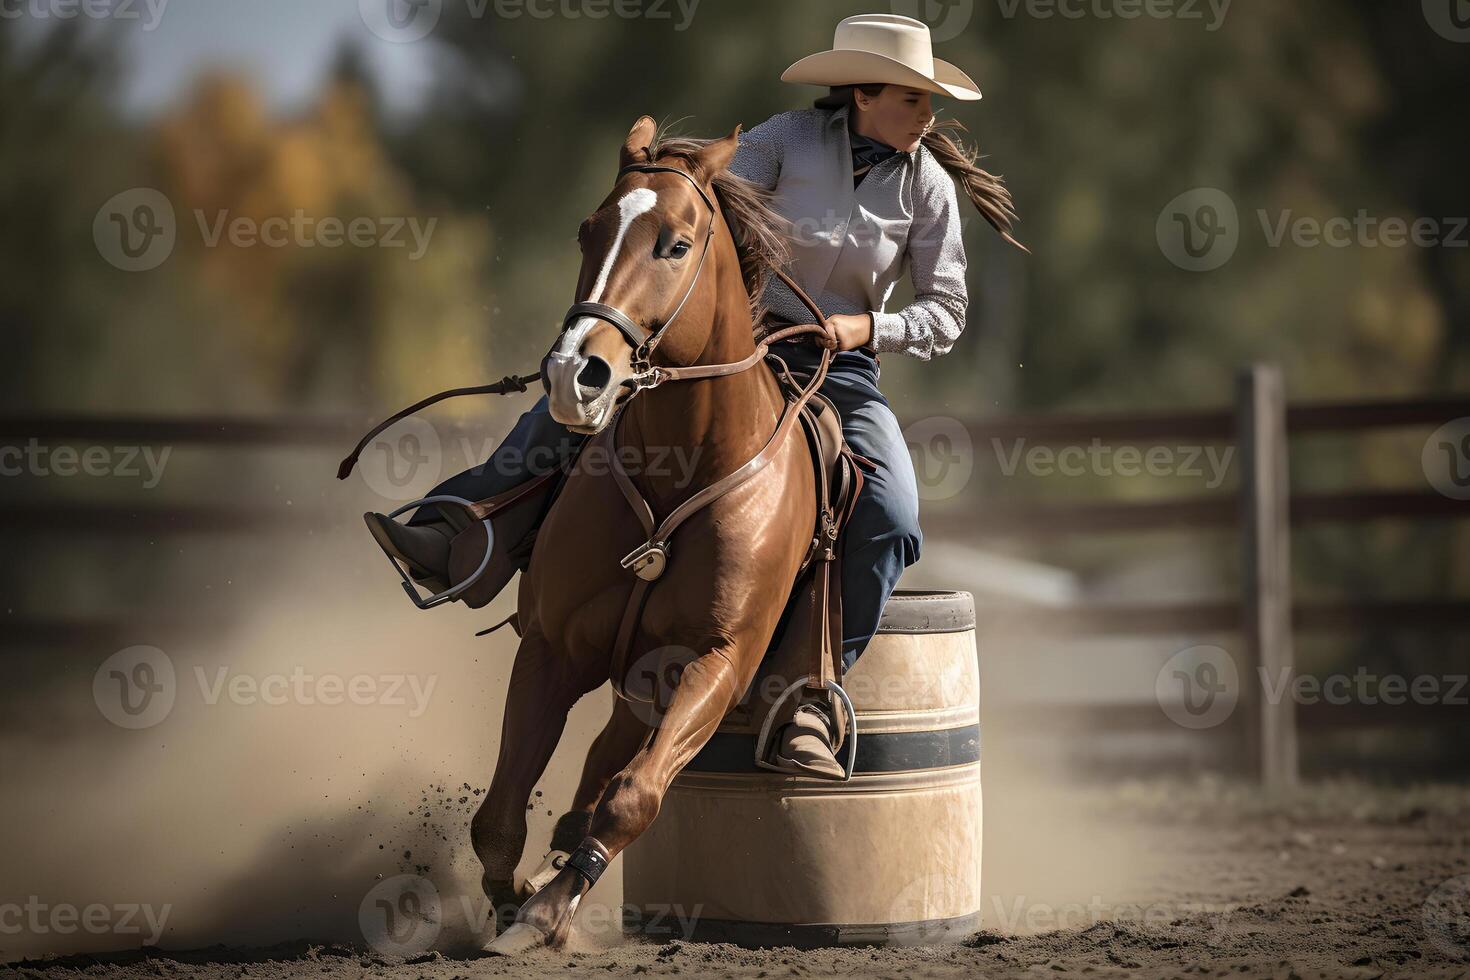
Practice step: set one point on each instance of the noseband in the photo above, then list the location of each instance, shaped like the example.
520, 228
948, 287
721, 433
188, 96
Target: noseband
645, 374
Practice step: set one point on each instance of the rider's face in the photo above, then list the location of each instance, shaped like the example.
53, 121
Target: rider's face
897, 115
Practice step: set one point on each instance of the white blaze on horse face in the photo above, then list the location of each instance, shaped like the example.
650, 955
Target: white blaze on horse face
638, 201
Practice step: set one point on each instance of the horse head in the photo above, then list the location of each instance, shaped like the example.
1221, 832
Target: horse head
643, 252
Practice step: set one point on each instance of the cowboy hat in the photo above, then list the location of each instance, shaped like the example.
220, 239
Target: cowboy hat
887, 48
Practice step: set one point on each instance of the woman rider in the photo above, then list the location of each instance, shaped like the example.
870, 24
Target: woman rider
867, 180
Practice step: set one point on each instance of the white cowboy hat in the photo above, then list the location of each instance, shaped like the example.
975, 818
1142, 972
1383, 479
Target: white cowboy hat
883, 48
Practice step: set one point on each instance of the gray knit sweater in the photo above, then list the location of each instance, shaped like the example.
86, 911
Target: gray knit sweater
850, 245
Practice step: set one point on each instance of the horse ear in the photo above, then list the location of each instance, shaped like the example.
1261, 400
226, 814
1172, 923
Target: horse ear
716, 155
635, 147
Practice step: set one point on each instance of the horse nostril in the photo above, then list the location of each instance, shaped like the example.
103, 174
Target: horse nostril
595, 375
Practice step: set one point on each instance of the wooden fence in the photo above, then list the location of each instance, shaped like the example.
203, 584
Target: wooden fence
1262, 512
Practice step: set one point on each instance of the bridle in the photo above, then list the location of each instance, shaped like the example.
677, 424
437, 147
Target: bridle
645, 375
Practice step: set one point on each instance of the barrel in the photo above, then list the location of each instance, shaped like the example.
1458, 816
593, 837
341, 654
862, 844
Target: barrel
743, 855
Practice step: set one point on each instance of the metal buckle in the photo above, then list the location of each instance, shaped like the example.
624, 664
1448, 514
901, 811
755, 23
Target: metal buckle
763, 741
647, 561
448, 595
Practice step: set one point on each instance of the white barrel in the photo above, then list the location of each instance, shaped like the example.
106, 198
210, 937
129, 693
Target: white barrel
744, 855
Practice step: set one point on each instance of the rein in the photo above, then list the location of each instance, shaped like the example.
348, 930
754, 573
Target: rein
648, 375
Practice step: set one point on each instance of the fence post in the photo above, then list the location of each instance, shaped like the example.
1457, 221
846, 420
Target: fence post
1266, 574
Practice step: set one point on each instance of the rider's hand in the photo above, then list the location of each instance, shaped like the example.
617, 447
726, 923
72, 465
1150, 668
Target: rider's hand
853, 331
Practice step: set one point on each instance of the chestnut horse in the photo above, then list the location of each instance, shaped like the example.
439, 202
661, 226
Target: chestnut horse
660, 269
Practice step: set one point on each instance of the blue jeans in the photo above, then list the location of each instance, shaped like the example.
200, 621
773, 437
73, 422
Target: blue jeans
881, 539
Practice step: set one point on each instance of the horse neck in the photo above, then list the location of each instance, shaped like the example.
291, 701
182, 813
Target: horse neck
692, 433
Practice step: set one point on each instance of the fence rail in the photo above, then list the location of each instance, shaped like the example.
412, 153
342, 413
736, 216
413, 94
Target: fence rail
1261, 512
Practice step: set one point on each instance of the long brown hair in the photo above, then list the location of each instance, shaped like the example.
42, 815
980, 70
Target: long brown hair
759, 230
985, 190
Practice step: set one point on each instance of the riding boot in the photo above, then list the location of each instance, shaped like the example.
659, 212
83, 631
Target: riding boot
423, 548
805, 742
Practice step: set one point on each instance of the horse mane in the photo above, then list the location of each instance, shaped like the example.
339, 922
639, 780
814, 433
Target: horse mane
760, 231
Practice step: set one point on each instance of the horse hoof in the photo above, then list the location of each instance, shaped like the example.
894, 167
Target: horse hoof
522, 937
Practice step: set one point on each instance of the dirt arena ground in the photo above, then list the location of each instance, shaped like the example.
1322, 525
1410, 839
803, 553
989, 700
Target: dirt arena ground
1338, 881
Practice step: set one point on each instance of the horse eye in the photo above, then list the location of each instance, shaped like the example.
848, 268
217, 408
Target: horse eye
679, 250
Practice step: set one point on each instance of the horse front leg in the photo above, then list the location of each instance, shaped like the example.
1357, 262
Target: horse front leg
707, 689
536, 705
612, 750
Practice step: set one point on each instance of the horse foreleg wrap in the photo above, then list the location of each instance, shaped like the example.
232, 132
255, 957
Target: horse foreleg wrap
589, 860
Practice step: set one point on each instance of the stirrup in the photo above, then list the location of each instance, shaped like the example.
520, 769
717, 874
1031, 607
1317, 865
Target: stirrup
453, 592
763, 741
